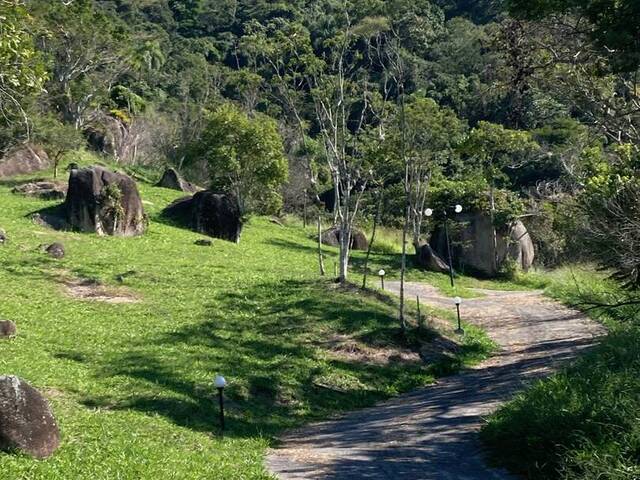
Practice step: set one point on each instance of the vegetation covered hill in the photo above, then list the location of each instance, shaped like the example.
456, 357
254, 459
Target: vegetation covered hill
131, 381
386, 112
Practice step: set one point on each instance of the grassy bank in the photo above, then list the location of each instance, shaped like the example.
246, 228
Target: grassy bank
130, 383
583, 422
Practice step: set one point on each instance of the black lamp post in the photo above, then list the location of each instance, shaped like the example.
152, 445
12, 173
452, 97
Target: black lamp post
458, 301
457, 209
219, 382
381, 274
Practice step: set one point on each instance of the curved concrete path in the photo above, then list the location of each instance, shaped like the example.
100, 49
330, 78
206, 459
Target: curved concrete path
432, 433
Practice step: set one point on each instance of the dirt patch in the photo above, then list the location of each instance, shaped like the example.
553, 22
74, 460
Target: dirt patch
347, 348
92, 290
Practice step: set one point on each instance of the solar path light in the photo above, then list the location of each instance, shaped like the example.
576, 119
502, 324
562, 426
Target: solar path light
219, 382
381, 274
458, 301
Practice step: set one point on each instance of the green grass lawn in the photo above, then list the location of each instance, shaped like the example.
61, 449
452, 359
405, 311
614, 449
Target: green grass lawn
583, 422
131, 384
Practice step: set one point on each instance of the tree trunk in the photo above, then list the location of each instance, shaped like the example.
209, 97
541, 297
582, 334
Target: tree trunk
320, 260
304, 210
56, 164
345, 238
403, 267
407, 210
376, 220
493, 227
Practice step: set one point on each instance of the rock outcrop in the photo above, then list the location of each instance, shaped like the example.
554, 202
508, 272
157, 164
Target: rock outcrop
472, 237
332, 236
427, 258
24, 159
214, 214
26, 421
173, 180
517, 245
8, 329
44, 190
104, 202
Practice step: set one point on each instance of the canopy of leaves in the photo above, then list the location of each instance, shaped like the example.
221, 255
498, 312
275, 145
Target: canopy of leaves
614, 24
245, 156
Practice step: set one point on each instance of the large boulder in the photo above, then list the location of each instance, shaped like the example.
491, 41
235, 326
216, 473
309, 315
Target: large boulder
44, 190
26, 421
332, 236
26, 158
427, 258
516, 244
472, 237
8, 329
214, 214
172, 179
104, 202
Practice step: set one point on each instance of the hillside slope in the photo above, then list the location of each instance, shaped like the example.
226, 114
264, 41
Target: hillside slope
129, 371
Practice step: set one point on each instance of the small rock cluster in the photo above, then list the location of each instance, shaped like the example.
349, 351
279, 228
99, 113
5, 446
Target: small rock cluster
43, 190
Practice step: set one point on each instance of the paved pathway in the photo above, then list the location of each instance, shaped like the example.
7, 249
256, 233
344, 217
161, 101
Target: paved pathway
432, 433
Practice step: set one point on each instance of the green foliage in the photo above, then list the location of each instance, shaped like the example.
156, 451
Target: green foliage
610, 207
22, 70
556, 232
245, 156
472, 194
124, 98
614, 24
57, 138
432, 133
493, 147
455, 71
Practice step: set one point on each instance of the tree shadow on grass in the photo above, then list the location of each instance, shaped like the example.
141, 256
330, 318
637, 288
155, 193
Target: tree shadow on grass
267, 341
53, 216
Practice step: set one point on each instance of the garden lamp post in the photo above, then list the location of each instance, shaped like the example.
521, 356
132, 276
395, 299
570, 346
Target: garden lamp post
458, 301
219, 382
381, 274
457, 209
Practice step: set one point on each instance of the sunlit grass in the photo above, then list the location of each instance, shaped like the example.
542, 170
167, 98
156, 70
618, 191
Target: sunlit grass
131, 383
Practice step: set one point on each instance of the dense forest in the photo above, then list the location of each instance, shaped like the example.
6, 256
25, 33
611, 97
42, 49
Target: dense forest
525, 109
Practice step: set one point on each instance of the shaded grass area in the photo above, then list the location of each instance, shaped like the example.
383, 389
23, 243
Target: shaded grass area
583, 422
131, 383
